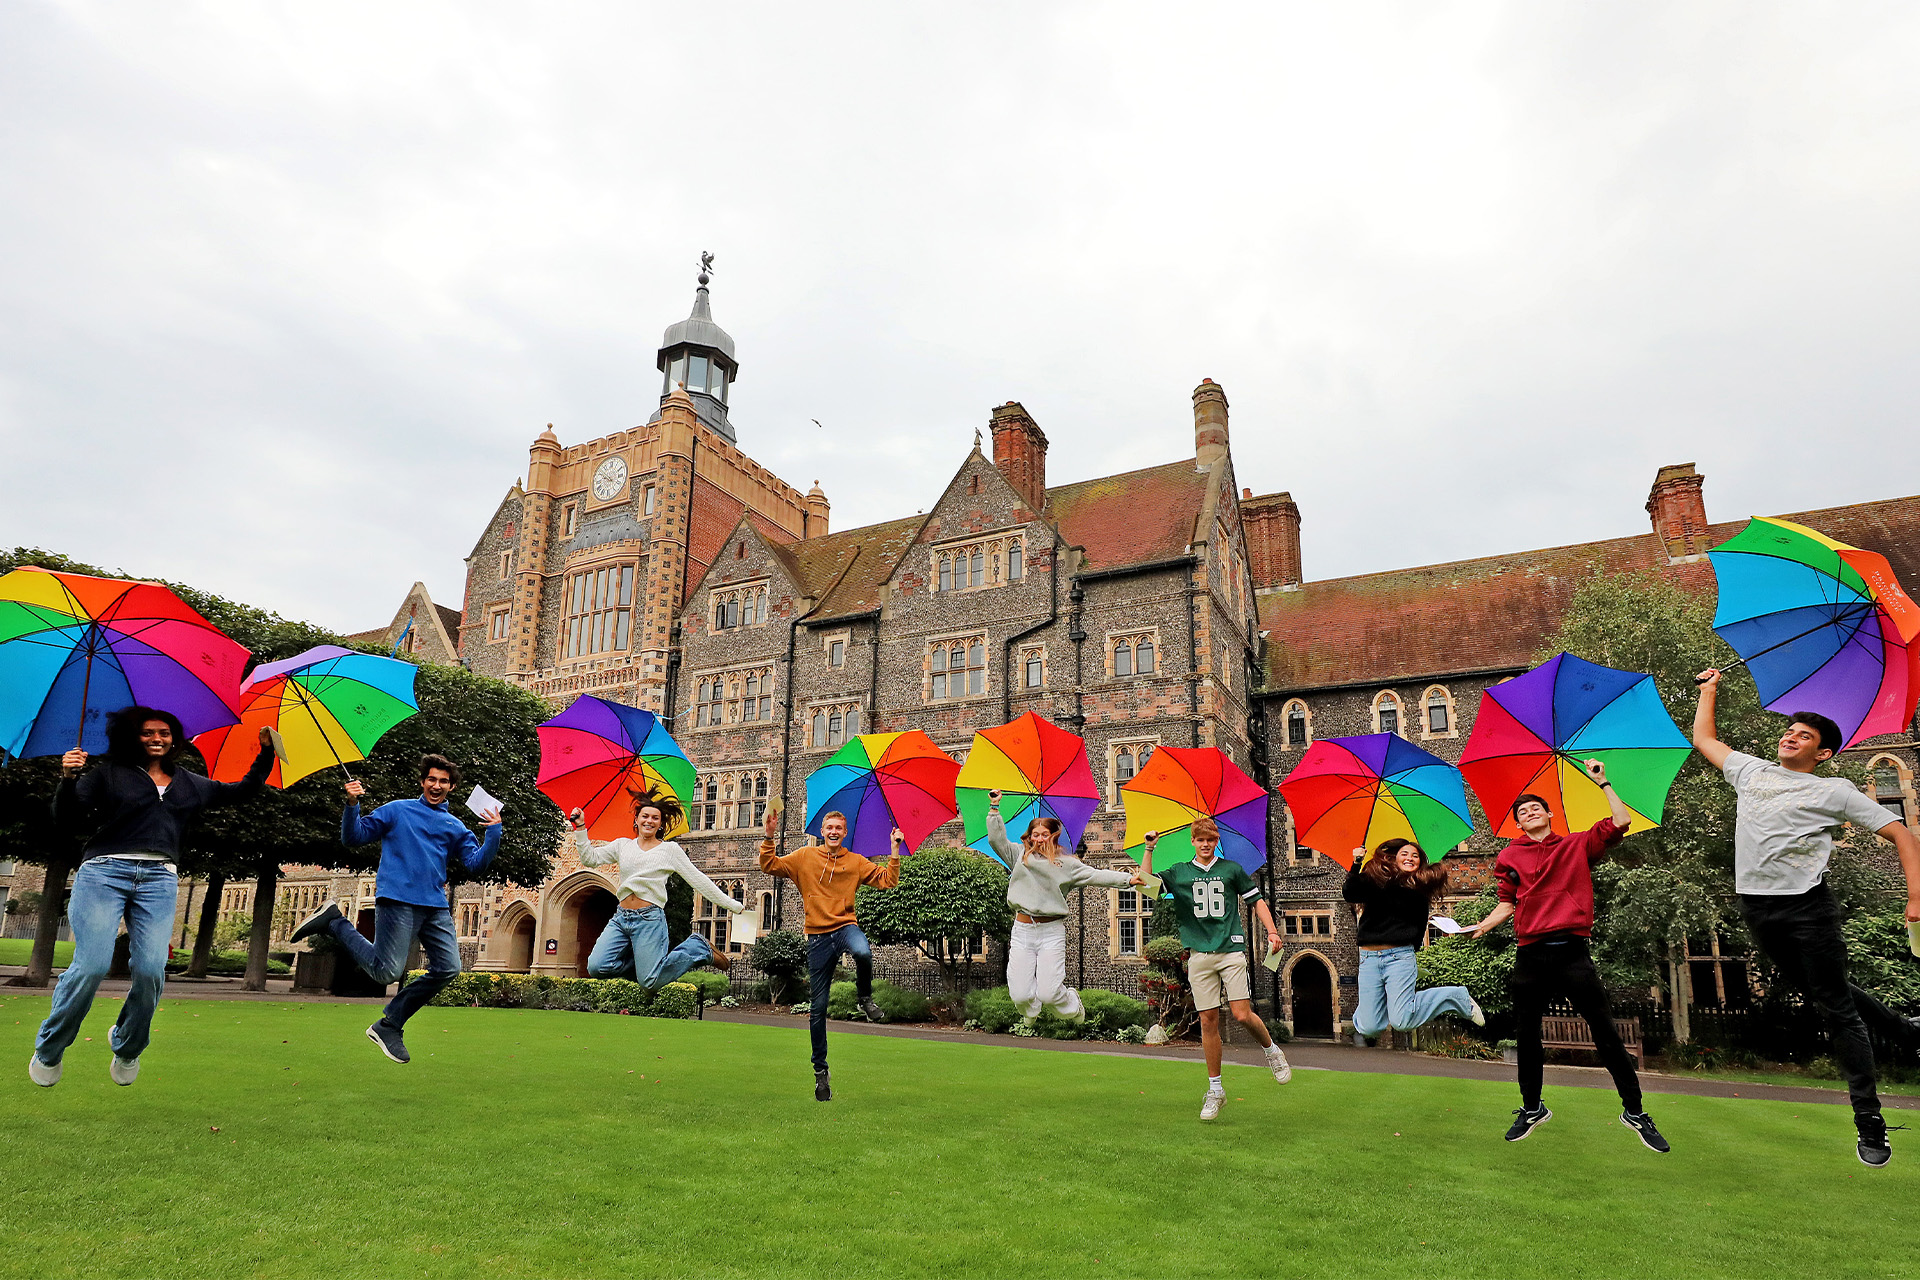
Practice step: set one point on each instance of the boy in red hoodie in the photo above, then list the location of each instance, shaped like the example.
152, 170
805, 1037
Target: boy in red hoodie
1545, 885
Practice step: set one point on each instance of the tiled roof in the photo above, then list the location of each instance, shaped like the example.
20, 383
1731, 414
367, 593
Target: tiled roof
1474, 615
849, 568
1136, 517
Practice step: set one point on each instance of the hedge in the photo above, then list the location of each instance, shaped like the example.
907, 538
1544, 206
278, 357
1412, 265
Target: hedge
580, 995
898, 1003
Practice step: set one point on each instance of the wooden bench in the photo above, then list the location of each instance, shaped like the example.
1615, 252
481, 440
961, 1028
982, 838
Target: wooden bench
1573, 1033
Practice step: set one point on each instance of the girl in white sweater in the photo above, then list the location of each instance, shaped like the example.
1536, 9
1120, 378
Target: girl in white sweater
1039, 874
634, 943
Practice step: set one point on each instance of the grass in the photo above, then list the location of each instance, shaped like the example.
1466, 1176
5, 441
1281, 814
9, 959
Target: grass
273, 1140
20, 950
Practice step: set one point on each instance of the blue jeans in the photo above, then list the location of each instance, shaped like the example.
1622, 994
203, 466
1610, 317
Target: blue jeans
823, 956
1388, 998
105, 892
634, 945
395, 925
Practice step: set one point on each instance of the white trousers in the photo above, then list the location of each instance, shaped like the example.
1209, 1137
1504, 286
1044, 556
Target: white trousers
1037, 971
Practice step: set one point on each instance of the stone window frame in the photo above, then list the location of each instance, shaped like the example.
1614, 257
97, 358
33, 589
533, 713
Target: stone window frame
1131, 745
818, 723
1141, 916
569, 519
647, 499
720, 794
711, 920
499, 624
1380, 700
1290, 922
1031, 653
1426, 714
720, 696
592, 565
1306, 716
506, 565
962, 642
1132, 638
1000, 553
751, 599
1905, 792
1298, 855
828, 639
469, 920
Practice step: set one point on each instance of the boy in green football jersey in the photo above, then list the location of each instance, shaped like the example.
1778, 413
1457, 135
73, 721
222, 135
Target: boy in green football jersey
1207, 894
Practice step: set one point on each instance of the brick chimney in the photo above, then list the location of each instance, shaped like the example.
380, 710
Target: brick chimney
1272, 524
1020, 451
1679, 512
1209, 423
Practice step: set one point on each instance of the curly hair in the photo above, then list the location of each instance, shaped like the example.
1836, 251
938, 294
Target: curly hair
1430, 879
123, 736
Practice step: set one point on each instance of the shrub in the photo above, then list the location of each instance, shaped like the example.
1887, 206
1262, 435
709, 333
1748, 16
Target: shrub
1109, 1011
675, 1000
227, 964
805, 1006
1165, 953
1280, 1031
782, 956
709, 984
899, 1004
575, 995
993, 1009
579, 995
1131, 1035
621, 995
1823, 1068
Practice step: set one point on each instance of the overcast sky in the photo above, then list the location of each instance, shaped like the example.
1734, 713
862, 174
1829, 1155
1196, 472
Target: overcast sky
286, 291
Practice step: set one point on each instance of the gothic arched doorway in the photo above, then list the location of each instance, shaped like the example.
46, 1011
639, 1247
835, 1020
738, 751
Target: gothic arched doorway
592, 910
1312, 986
520, 945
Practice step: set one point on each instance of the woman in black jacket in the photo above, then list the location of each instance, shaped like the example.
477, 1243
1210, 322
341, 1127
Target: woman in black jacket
1393, 891
132, 808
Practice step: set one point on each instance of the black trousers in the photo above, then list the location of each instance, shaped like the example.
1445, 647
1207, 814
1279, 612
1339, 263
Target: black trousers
1544, 972
1801, 935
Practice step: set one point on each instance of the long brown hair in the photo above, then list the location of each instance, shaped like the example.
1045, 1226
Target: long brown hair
1430, 879
1052, 827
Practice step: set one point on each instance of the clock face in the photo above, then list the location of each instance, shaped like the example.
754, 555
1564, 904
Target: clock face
608, 479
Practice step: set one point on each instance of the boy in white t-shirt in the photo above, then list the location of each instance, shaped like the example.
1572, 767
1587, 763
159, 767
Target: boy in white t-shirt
1782, 839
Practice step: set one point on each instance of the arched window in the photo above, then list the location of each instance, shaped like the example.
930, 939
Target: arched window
1123, 659
1890, 786
1299, 731
819, 728
940, 672
1036, 669
977, 571
750, 709
976, 668
733, 613
946, 573
720, 616
836, 729
1016, 570
1439, 707
1386, 712
1143, 658
1123, 765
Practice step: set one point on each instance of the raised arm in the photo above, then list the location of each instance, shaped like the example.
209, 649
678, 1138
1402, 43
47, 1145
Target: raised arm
354, 829
590, 852
1706, 735
770, 863
74, 798
683, 867
224, 793
1616, 807
476, 855
885, 875
997, 832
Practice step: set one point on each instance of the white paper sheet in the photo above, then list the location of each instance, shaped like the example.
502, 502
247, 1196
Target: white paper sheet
1273, 960
744, 928
1913, 938
1447, 924
482, 805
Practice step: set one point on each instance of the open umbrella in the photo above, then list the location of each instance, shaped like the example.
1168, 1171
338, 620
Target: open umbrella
881, 781
1823, 626
1534, 732
1177, 785
1349, 793
74, 648
596, 755
329, 704
1042, 771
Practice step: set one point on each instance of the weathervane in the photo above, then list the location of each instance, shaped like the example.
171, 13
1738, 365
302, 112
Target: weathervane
706, 266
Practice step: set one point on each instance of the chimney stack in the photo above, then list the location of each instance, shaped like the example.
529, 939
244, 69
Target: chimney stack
1020, 451
1272, 525
1679, 511
1209, 424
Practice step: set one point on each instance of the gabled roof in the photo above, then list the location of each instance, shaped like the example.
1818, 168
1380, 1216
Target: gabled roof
1136, 517
1496, 612
847, 571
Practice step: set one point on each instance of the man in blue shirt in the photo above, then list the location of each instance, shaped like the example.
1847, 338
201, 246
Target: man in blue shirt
419, 840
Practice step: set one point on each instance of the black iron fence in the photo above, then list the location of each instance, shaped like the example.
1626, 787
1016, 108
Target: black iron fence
1777, 1031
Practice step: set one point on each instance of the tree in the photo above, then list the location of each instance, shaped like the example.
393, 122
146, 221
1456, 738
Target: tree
946, 902
1484, 967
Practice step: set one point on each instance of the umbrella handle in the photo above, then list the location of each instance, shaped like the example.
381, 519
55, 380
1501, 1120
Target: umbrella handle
1737, 662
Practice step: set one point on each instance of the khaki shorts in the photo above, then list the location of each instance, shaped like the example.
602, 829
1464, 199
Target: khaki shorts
1212, 971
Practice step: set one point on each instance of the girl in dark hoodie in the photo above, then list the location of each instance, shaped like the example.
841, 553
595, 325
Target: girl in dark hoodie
1394, 891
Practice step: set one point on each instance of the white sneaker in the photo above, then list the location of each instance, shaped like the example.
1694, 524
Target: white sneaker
1475, 1014
1277, 1063
124, 1070
41, 1074
1211, 1107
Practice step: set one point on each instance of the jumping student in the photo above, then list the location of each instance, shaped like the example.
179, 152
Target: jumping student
1039, 876
1394, 891
134, 805
827, 876
419, 839
1782, 840
1545, 885
1207, 894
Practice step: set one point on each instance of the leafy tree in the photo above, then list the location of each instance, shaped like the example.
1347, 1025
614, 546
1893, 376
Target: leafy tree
782, 956
945, 901
1878, 958
1483, 967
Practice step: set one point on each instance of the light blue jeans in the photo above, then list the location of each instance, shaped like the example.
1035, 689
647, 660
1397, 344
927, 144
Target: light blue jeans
1388, 998
105, 892
634, 945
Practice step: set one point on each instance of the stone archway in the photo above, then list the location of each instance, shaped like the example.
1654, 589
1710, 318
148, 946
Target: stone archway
1310, 985
590, 912
519, 958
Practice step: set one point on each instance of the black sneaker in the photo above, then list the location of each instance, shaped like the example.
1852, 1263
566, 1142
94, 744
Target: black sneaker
316, 922
873, 1011
822, 1087
1873, 1148
388, 1038
1526, 1120
1642, 1123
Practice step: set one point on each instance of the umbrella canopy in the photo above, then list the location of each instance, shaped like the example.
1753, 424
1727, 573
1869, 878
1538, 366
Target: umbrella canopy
75, 648
1042, 771
881, 781
1534, 732
596, 755
329, 704
1349, 793
1823, 626
1177, 785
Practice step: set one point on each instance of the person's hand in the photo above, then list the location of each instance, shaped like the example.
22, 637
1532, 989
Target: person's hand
1136, 880
266, 736
577, 819
773, 822
1150, 839
1359, 856
355, 789
1274, 944
1597, 770
899, 840
993, 799
491, 819
73, 762
1708, 680
1913, 910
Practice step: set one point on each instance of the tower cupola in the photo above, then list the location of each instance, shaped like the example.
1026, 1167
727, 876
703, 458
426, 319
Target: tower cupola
698, 354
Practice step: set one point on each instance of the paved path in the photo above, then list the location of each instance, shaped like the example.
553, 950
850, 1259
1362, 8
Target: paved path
1304, 1055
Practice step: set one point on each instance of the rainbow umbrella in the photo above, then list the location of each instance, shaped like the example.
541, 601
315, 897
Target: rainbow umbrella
1041, 770
1177, 785
329, 704
596, 755
74, 648
1535, 731
1349, 793
881, 781
1823, 626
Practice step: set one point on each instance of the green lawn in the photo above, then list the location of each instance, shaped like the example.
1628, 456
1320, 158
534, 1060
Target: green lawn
273, 1140
20, 950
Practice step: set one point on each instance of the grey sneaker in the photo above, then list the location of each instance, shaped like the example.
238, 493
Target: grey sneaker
1277, 1063
316, 922
124, 1070
42, 1074
873, 1011
388, 1038
1211, 1106
822, 1086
